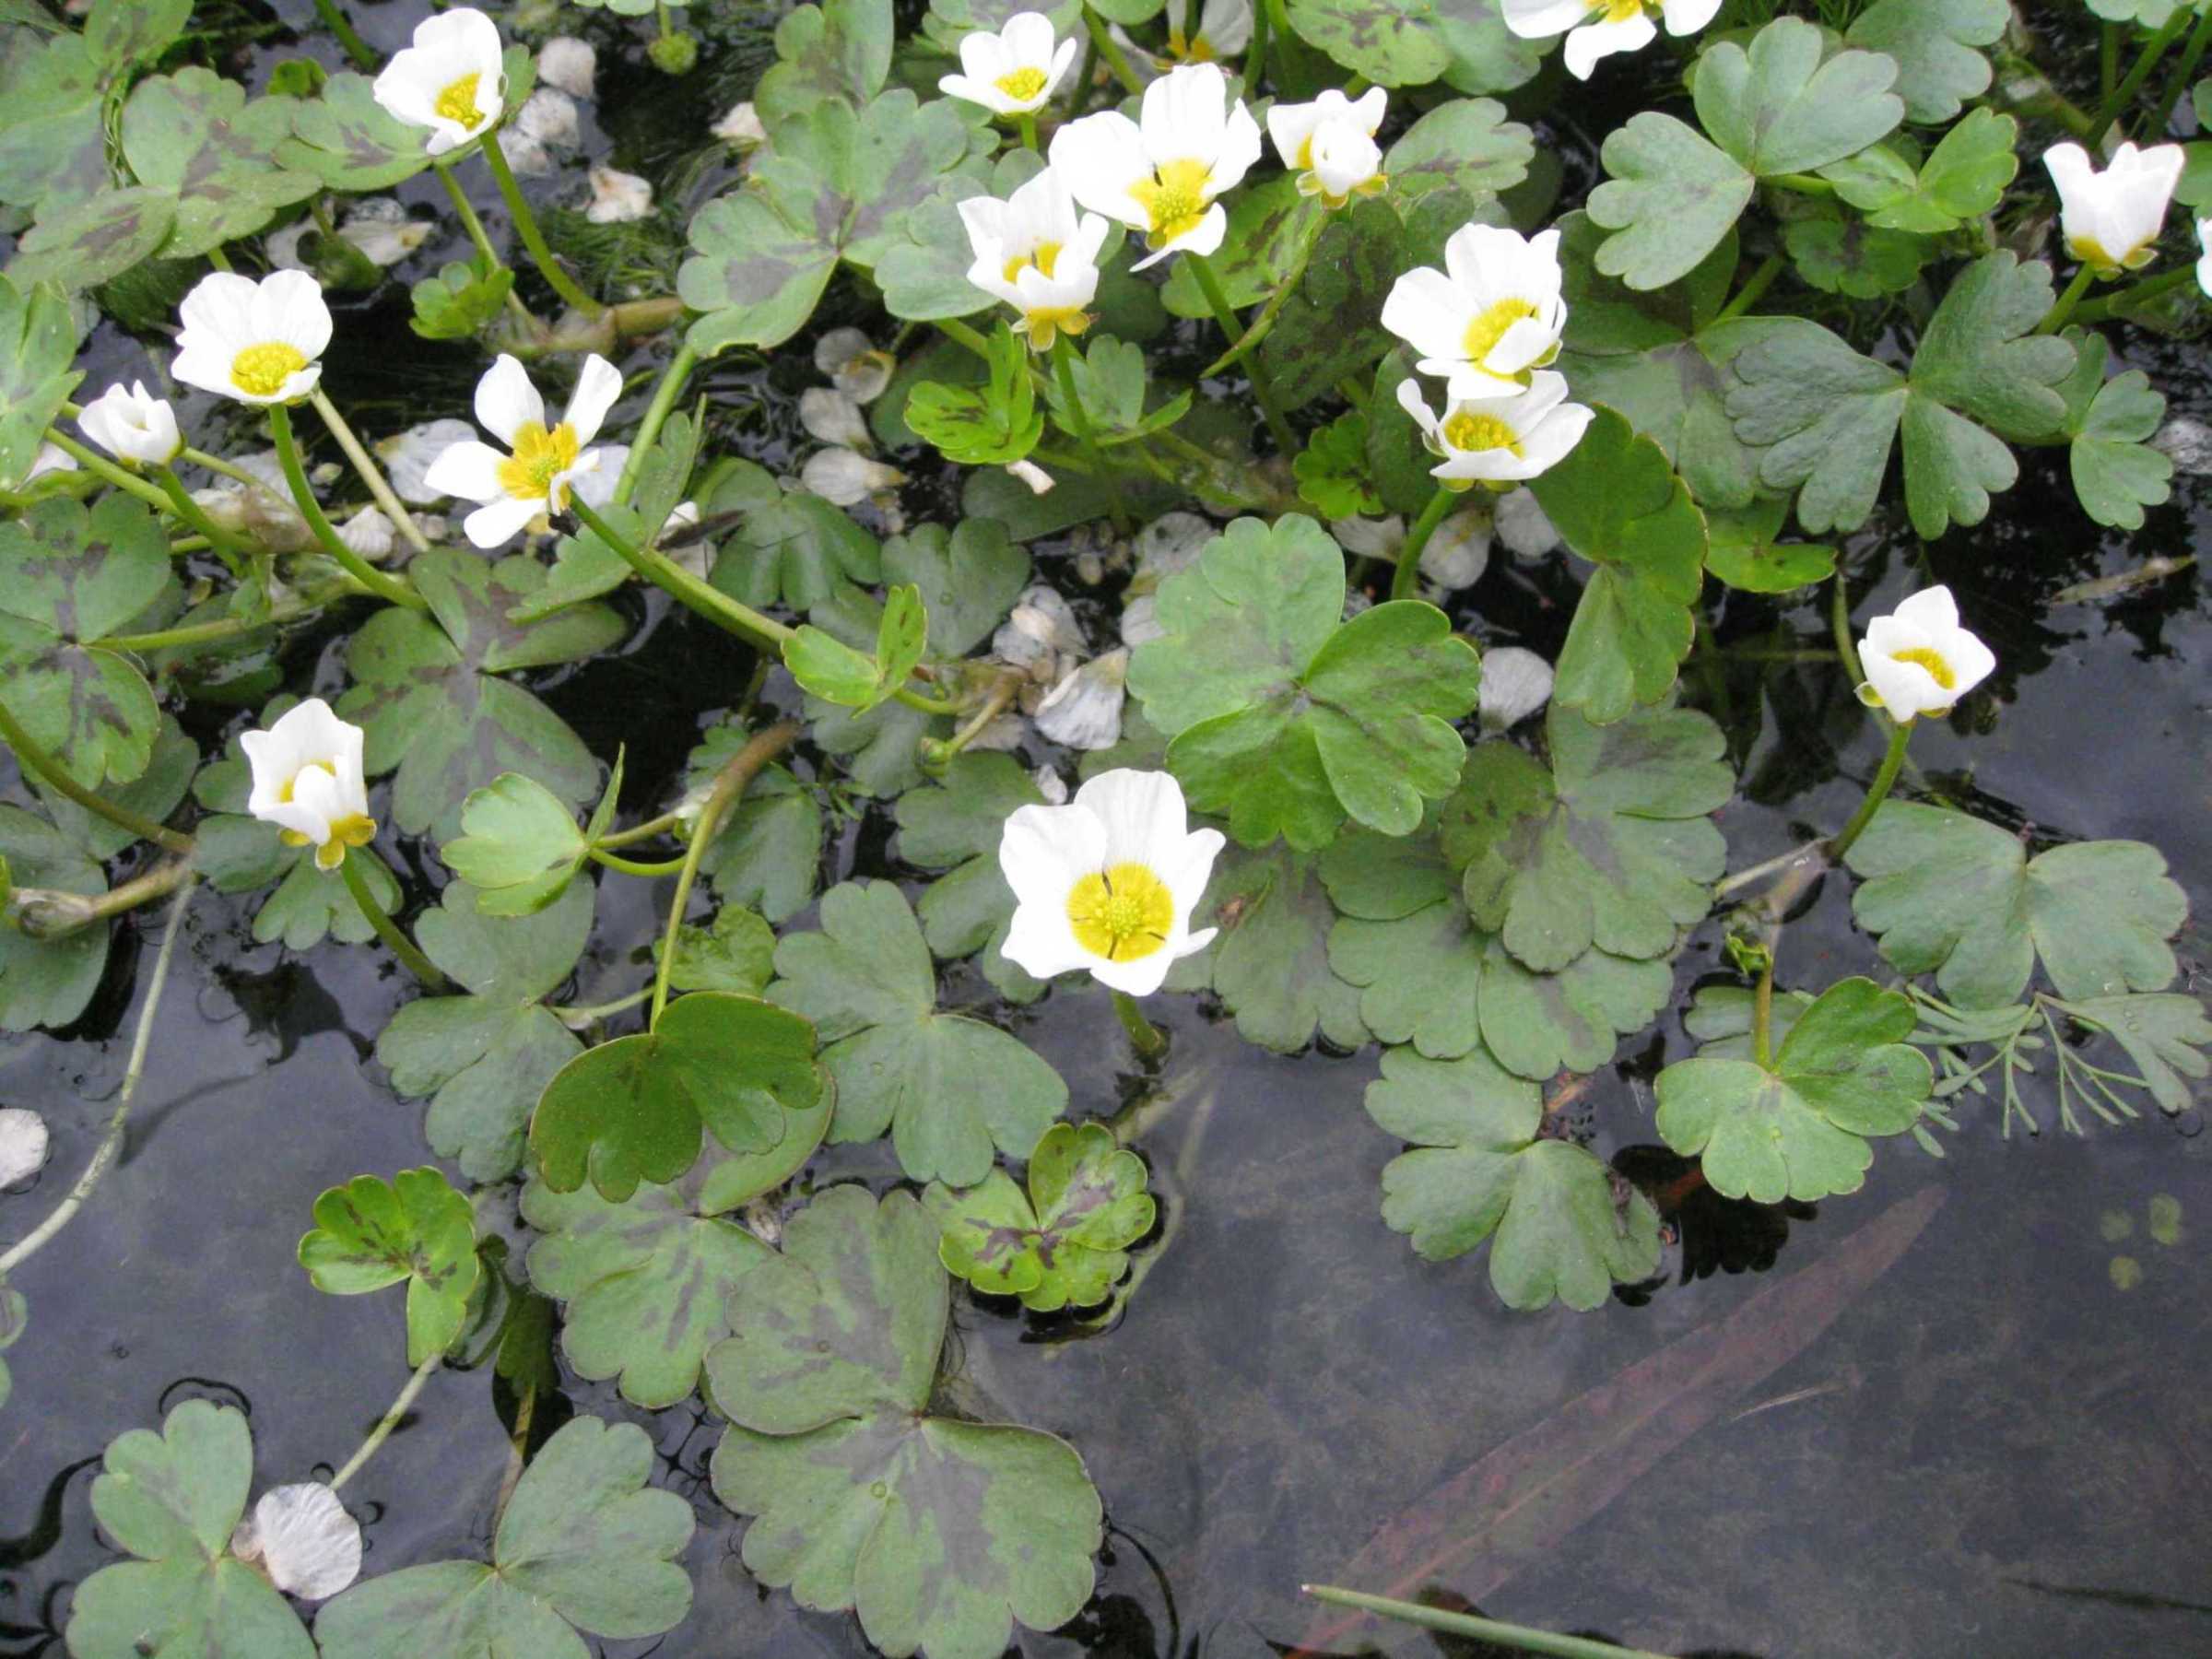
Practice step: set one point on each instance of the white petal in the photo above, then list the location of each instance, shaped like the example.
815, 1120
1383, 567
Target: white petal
1143, 813
1932, 610
498, 523
23, 1145
1686, 17
506, 401
219, 315
829, 417
1041, 943
1523, 526
1540, 19
408, 456
569, 64
1084, 710
304, 1540
548, 117
1044, 851
469, 470
597, 387
1595, 41
1516, 683
1100, 157
289, 308
618, 197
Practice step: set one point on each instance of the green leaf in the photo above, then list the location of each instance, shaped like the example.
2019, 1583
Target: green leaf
1826, 415
153, 793
1796, 1128
312, 904
833, 671
348, 140
1785, 105
645, 1283
1670, 198
194, 134
1270, 966
1411, 42
121, 33
968, 580
1617, 502
1613, 846
950, 1089
1481, 1169
171, 1500
371, 1233
2164, 1034
484, 1058
840, 50
37, 352
955, 829
519, 846
48, 981
757, 270
585, 1543
1064, 1242
992, 425
80, 576
854, 1492
1467, 145
797, 550
1741, 549
736, 954
459, 302
1934, 42
1961, 898
1332, 469
94, 240
1839, 253
767, 854
2116, 473
637, 1109
1282, 717
54, 147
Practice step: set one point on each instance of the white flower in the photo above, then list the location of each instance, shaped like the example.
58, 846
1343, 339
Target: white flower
548, 117
2204, 257
832, 417
536, 475
618, 197
741, 127
450, 81
307, 780
133, 426
1084, 710
568, 63
1013, 71
409, 456
1330, 144
1918, 659
1604, 27
1162, 173
1499, 440
844, 477
22, 1144
1516, 682
1489, 316
256, 342
303, 1539
1034, 253
1224, 29
1107, 882
2111, 219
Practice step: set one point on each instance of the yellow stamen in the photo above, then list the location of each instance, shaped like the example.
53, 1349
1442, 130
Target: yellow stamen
458, 103
1492, 326
1472, 433
1930, 659
1176, 199
1045, 256
539, 457
1621, 11
1045, 326
1021, 84
258, 371
1122, 914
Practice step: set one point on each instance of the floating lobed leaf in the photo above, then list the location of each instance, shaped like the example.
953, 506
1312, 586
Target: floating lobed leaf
371, 1233
1064, 1243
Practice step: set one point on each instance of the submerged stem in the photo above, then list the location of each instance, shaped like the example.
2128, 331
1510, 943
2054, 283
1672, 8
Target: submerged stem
1149, 1041
380, 488
1492, 1631
303, 496
385, 1424
388, 930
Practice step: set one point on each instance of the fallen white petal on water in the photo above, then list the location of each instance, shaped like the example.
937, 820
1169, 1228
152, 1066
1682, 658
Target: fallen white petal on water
368, 533
830, 416
1170, 543
1522, 526
1003, 734
1140, 622
1040, 626
408, 456
526, 156
1370, 537
843, 477
838, 347
741, 127
22, 1144
2186, 442
1039, 481
1516, 682
303, 1539
384, 238
1050, 785
1459, 551
267, 516
618, 197
569, 64
548, 117
1084, 710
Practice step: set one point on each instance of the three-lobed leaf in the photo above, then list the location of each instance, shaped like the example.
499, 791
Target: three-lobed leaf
1064, 1242
416, 1228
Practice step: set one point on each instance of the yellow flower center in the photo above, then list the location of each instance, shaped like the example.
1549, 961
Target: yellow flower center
258, 371
1046, 255
1176, 199
1471, 433
1931, 660
1621, 11
458, 103
539, 457
1045, 324
1022, 83
1122, 914
1492, 326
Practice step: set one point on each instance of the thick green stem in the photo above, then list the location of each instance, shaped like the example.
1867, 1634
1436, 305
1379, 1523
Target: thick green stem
389, 1421
363, 54
1485, 1629
1262, 389
1255, 54
1063, 365
966, 339
652, 827
2153, 50
2150, 287
709, 601
635, 866
526, 227
656, 414
226, 628
1755, 285
29, 753
2063, 307
101, 466
2200, 39
303, 496
729, 784
1026, 124
388, 930
48, 914
1762, 1007
1405, 580
1900, 735
1149, 1041
1800, 183
1116, 60
493, 264
380, 488
226, 546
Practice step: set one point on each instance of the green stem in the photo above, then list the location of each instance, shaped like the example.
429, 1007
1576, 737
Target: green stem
634, 866
2108, 59
1262, 389
388, 930
644, 831
1900, 735
45, 913
743, 767
1801, 183
2099, 311
493, 264
576, 1017
1264, 323
360, 51
1116, 60
226, 546
1487, 1629
1149, 1041
961, 335
227, 628
525, 226
656, 414
101, 466
1026, 124
1762, 1005
2200, 39
1838, 622
1255, 54
1063, 365
30, 753
2063, 308
702, 597
380, 488
994, 703
303, 496
389, 1421
1405, 580
1755, 285
2153, 50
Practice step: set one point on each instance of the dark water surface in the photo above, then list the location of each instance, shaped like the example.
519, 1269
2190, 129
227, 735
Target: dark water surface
1994, 1450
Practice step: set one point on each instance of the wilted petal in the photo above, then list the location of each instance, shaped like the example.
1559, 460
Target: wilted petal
303, 1539
22, 1144
569, 64
1516, 682
1084, 710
